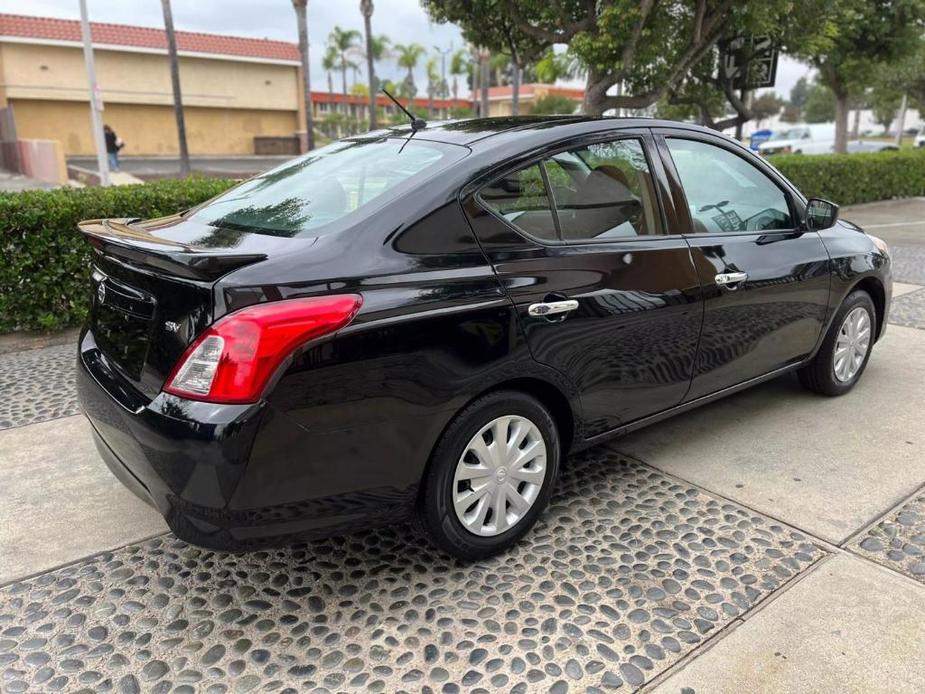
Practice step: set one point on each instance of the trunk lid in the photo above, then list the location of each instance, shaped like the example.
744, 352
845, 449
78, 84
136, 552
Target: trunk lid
152, 285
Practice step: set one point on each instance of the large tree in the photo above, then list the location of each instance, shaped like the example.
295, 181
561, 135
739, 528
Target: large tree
648, 46
508, 43
866, 33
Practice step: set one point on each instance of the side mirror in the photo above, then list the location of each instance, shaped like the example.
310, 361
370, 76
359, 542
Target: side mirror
820, 214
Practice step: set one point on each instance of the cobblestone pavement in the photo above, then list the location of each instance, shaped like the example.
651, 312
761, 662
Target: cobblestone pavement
37, 385
898, 541
628, 571
909, 309
908, 264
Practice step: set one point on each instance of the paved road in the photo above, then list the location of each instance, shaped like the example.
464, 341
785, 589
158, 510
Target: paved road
772, 541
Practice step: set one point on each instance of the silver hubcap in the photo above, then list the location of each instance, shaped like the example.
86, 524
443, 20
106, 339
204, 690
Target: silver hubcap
499, 475
852, 344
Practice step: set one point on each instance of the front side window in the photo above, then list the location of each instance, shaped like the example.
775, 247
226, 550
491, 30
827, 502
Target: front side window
309, 195
725, 192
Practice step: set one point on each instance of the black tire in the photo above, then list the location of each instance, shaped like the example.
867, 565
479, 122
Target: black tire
819, 375
437, 515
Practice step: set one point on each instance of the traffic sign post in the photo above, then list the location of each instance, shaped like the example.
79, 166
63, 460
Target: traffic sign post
749, 62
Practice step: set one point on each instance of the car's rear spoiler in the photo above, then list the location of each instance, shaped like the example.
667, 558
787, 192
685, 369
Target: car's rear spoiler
117, 237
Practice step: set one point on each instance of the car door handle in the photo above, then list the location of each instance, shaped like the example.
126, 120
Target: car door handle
731, 280
551, 308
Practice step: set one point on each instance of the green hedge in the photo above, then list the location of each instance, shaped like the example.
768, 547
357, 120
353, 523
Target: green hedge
45, 260
848, 179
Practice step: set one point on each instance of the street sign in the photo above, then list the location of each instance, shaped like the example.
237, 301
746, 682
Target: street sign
750, 62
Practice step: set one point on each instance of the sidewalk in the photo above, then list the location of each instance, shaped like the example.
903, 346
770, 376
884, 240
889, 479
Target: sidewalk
773, 541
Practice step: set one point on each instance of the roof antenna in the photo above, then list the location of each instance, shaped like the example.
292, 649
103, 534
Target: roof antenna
416, 123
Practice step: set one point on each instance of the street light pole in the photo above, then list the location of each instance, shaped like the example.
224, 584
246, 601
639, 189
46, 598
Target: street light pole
96, 98
443, 53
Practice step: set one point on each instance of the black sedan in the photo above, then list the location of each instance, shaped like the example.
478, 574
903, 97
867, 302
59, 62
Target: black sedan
421, 323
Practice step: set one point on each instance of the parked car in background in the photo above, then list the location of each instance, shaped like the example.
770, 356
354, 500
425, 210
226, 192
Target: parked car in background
422, 324
919, 140
758, 137
815, 138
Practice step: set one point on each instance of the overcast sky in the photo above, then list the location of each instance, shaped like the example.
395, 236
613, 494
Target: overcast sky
403, 21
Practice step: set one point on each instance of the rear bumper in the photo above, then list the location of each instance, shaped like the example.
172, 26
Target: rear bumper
201, 465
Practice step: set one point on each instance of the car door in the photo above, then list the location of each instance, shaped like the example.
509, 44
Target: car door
577, 236
765, 276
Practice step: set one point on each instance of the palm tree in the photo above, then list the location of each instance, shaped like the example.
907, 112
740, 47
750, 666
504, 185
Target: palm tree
175, 80
433, 83
329, 62
459, 65
301, 12
366, 7
408, 56
345, 42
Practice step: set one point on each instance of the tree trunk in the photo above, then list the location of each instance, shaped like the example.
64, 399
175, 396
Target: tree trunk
302, 20
595, 96
856, 128
367, 8
902, 120
175, 81
841, 120
343, 75
455, 89
485, 81
330, 84
515, 90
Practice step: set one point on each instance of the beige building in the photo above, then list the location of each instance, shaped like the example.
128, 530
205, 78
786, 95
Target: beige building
234, 88
500, 99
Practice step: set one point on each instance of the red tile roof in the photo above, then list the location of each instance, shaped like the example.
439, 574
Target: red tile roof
145, 37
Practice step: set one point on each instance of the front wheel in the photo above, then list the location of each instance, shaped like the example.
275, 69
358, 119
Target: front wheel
491, 475
843, 356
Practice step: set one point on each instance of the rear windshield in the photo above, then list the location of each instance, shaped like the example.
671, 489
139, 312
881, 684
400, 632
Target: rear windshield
307, 195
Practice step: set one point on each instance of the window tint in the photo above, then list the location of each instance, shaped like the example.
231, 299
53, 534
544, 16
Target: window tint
603, 191
520, 198
305, 195
726, 193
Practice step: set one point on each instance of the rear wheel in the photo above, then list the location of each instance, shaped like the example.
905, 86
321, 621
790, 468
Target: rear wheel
844, 353
491, 475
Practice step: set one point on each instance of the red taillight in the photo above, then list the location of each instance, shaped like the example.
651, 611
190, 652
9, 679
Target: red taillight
232, 361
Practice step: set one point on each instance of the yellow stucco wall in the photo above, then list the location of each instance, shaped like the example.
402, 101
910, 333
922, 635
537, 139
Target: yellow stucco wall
226, 102
57, 72
150, 129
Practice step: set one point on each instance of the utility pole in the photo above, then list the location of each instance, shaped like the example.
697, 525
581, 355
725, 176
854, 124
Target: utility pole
96, 98
175, 80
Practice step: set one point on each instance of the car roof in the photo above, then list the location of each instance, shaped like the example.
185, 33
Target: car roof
479, 130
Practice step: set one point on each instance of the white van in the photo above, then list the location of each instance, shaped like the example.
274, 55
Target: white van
815, 138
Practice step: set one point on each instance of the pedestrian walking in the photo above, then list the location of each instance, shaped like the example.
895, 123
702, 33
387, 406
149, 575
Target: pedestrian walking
113, 144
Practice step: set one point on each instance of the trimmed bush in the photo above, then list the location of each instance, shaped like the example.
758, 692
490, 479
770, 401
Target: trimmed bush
44, 274
847, 179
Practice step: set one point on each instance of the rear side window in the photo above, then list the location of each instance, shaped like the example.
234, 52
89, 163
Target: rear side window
597, 192
520, 197
603, 191
726, 193
311, 194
